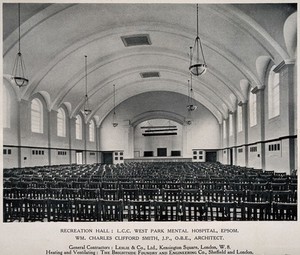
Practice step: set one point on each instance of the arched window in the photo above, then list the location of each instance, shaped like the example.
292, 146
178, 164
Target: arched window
273, 94
6, 107
230, 125
36, 116
224, 129
240, 118
61, 123
252, 109
92, 131
78, 127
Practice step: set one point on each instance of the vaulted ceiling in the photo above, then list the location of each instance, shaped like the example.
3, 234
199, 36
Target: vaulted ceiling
238, 42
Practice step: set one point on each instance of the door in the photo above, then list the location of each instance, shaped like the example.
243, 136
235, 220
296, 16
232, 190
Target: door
136, 154
161, 152
211, 156
231, 157
79, 157
107, 157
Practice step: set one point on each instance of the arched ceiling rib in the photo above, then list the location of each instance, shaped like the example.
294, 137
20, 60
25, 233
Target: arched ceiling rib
55, 39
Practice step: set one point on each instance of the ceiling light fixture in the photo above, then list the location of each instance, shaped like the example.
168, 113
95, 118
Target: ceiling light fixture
114, 123
19, 70
86, 108
197, 67
191, 104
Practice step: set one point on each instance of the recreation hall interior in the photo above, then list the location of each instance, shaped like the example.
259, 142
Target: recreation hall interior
149, 112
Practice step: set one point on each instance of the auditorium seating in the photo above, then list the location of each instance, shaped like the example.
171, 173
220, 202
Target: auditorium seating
148, 192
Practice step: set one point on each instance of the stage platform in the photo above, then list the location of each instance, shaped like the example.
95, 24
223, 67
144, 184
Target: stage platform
158, 159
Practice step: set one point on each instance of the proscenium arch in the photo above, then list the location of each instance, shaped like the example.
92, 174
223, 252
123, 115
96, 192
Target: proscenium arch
150, 115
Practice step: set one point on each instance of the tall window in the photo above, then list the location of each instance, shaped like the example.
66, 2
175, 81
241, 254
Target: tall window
240, 118
6, 107
230, 125
273, 94
224, 129
78, 127
92, 131
61, 123
252, 109
36, 116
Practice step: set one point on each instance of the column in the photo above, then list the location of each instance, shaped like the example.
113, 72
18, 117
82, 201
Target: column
244, 106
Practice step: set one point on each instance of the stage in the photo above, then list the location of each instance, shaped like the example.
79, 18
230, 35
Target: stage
158, 159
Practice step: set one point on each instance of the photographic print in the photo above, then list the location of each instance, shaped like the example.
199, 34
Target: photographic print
149, 128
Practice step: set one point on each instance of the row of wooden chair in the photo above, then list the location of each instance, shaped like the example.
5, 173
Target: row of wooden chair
162, 184
287, 196
28, 210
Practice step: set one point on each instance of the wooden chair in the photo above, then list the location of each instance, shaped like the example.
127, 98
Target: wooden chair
194, 211
237, 196
129, 195
7, 193
167, 211
150, 195
171, 195
172, 185
256, 211
19, 192
283, 196
285, 211
111, 210
222, 211
13, 209
87, 210
109, 185
79, 185
110, 194
259, 186
190, 184
59, 210
278, 186
87, 193
37, 193
70, 193
94, 185
54, 193
259, 196
139, 211
191, 195
36, 210
213, 195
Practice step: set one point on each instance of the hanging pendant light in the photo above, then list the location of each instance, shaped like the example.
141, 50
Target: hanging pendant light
114, 123
197, 61
191, 104
86, 108
19, 71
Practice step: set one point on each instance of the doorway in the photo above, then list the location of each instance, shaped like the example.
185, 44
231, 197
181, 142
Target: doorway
79, 157
107, 157
161, 152
211, 156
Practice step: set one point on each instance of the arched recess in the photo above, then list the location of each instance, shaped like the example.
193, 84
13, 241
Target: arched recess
290, 34
262, 65
44, 100
157, 115
158, 142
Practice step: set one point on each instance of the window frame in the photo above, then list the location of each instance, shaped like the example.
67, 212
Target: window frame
61, 122
252, 109
273, 94
78, 127
37, 116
